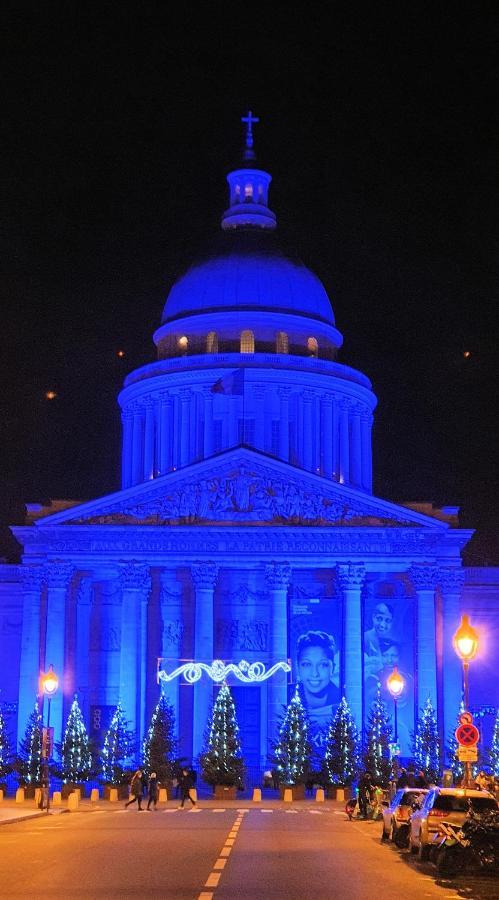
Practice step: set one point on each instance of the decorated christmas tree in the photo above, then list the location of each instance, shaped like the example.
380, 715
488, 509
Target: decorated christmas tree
493, 754
222, 761
341, 758
29, 760
117, 750
427, 743
292, 750
74, 752
159, 745
5, 750
377, 750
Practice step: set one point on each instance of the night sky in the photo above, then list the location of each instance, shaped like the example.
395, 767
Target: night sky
380, 132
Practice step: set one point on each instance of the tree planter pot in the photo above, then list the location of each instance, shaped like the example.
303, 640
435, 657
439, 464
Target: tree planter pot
68, 787
224, 792
123, 791
297, 791
332, 792
29, 791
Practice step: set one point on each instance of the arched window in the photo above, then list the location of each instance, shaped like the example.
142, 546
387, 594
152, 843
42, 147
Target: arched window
212, 342
312, 346
282, 344
238, 193
248, 191
183, 343
247, 341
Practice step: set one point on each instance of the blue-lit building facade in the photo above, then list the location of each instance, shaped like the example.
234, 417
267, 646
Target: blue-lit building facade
245, 527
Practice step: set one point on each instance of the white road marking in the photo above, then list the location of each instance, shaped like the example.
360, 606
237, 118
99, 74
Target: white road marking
206, 895
219, 810
220, 863
269, 810
289, 812
213, 879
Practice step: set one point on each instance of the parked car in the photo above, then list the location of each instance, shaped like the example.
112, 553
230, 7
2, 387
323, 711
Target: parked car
396, 816
444, 805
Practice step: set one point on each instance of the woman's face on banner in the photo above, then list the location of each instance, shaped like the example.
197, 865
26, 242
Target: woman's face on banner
382, 620
315, 670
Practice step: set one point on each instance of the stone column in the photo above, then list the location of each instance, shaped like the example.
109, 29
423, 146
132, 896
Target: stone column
351, 577
284, 394
30, 663
366, 422
59, 574
327, 436
451, 582
308, 436
126, 448
344, 443
204, 576
137, 444
356, 448
149, 439
259, 401
208, 423
185, 400
171, 638
165, 424
135, 587
424, 579
83, 606
278, 577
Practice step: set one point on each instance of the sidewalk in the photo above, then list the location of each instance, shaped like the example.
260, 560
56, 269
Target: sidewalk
11, 812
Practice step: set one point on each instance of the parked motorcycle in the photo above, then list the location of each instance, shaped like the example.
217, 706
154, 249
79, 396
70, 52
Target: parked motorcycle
472, 845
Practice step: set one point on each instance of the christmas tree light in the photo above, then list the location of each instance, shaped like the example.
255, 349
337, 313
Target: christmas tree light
29, 761
292, 750
117, 750
222, 761
379, 733
159, 744
427, 743
5, 750
493, 754
341, 758
76, 758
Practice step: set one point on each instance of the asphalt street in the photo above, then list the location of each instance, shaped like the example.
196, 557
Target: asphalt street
296, 854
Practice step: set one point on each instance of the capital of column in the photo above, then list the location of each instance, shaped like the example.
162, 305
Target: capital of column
185, 394
345, 405
277, 575
424, 577
59, 573
204, 573
308, 396
451, 579
135, 576
259, 391
284, 392
327, 399
127, 414
351, 575
31, 577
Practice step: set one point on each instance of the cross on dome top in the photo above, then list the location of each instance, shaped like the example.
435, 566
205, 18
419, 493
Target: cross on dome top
249, 120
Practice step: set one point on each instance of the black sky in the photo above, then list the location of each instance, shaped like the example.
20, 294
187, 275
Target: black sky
380, 131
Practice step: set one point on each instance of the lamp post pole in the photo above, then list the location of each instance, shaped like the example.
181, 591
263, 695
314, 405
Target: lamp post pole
466, 646
49, 683
395, 684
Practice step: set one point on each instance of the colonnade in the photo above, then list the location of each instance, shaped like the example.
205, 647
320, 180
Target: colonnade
109, 657
324, 433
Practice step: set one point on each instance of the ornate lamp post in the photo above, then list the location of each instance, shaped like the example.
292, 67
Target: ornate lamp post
465, 643
49, 684
395, 684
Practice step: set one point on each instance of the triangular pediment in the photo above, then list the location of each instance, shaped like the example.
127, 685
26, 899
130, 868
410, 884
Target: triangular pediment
241, 486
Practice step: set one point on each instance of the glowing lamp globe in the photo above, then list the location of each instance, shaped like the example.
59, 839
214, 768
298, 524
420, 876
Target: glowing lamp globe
49, 682
395, 683
466, 640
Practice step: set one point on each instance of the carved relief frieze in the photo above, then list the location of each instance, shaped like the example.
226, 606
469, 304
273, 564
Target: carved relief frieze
237, 634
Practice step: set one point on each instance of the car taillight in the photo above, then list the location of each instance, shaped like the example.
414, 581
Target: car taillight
438, 813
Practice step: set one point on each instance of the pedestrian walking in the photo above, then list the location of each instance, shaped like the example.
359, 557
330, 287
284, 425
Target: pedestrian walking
136, 789
186, 783
152, 790
365, 793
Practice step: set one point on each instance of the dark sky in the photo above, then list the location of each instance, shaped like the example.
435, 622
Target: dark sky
380, 132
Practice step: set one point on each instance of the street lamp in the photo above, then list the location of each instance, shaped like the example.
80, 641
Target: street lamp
49, 684
395, 684
466, 646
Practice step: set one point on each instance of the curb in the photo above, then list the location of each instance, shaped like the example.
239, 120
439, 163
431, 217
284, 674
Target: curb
13, 821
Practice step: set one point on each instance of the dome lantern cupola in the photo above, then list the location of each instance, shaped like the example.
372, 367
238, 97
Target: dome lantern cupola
248, 190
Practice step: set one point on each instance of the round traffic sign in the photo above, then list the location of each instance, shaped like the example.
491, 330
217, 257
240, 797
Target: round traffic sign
467, 735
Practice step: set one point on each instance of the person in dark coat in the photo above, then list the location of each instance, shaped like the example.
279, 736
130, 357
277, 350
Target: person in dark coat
365, 793
186, 783
136, 789
402, 780
421, 781
152, 789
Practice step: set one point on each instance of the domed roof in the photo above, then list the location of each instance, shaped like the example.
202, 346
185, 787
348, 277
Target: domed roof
247, 271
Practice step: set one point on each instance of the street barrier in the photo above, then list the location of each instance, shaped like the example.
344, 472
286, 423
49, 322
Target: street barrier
113, 795
163, 795
1, 796
56, 798
94, 795
257, 795
20, 795
288, 795
74, 800
319, 795
340, 794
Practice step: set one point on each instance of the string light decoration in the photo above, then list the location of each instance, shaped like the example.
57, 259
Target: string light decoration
5, 750
76, 758
341, 757
222, 761
29, 761
159, 746
493, 754
218, 671
427, 743
377, 757
292, 750
117, 750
